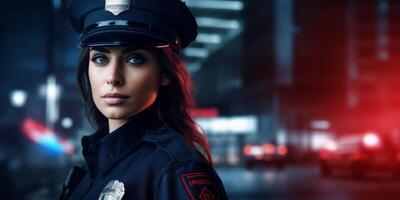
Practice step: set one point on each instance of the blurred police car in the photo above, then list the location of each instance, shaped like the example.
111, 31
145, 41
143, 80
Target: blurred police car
361, 153
264, 155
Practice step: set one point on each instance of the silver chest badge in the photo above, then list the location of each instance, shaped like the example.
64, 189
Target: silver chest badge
117, 6
114, 190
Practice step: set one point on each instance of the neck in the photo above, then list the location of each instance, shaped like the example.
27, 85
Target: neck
115, 123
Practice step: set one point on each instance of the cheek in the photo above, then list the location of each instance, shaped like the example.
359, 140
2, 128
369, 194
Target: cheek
93, 79
95, 84
145, 84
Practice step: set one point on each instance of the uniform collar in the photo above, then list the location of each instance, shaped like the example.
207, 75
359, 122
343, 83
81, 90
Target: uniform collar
103, 150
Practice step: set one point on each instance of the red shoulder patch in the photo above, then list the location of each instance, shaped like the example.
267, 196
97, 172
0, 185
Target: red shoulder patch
200, 186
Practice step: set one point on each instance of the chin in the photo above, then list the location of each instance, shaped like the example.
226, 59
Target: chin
117, 116
118, 113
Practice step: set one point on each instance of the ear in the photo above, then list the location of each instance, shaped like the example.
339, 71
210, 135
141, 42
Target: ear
165, 79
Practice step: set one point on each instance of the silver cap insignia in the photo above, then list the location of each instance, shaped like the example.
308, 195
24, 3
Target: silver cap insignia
114, 190
117, 6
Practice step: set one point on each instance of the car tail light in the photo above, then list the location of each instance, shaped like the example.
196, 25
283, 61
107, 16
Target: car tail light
268, 148
250, 150
282, 150
257, 151
371, 140
247, 150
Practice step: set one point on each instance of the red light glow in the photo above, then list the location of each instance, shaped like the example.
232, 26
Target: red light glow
204, 112
282, 150
34, 130
268, 148
248, 149
331, 146
371, 140
46, 137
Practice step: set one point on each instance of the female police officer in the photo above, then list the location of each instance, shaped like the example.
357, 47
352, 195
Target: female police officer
137, 92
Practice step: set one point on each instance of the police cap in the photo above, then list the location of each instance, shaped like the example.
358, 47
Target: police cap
158, 23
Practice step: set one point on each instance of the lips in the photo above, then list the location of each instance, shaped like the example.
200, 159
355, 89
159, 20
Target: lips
115, 98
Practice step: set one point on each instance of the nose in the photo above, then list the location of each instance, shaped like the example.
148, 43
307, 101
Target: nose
115, 76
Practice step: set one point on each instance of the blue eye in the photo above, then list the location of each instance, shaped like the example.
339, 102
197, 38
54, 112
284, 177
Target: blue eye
136, 59
100, 59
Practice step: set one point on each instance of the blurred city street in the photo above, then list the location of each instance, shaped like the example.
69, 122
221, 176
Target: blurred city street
296, 182
303, 182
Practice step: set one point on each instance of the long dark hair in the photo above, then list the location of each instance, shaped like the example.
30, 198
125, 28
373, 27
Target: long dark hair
172, 103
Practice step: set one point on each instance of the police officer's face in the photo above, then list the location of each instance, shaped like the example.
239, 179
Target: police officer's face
123, 80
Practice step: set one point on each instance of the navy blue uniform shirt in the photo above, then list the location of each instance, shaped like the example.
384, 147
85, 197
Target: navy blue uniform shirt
148, 160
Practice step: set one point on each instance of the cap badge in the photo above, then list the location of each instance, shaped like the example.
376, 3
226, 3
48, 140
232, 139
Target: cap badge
117, 6
114, 190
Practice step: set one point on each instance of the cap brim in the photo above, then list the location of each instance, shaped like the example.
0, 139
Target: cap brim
121, 36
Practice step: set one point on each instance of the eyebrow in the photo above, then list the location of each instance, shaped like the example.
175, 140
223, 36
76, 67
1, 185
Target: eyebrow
130, 49
100, 49
105, 50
